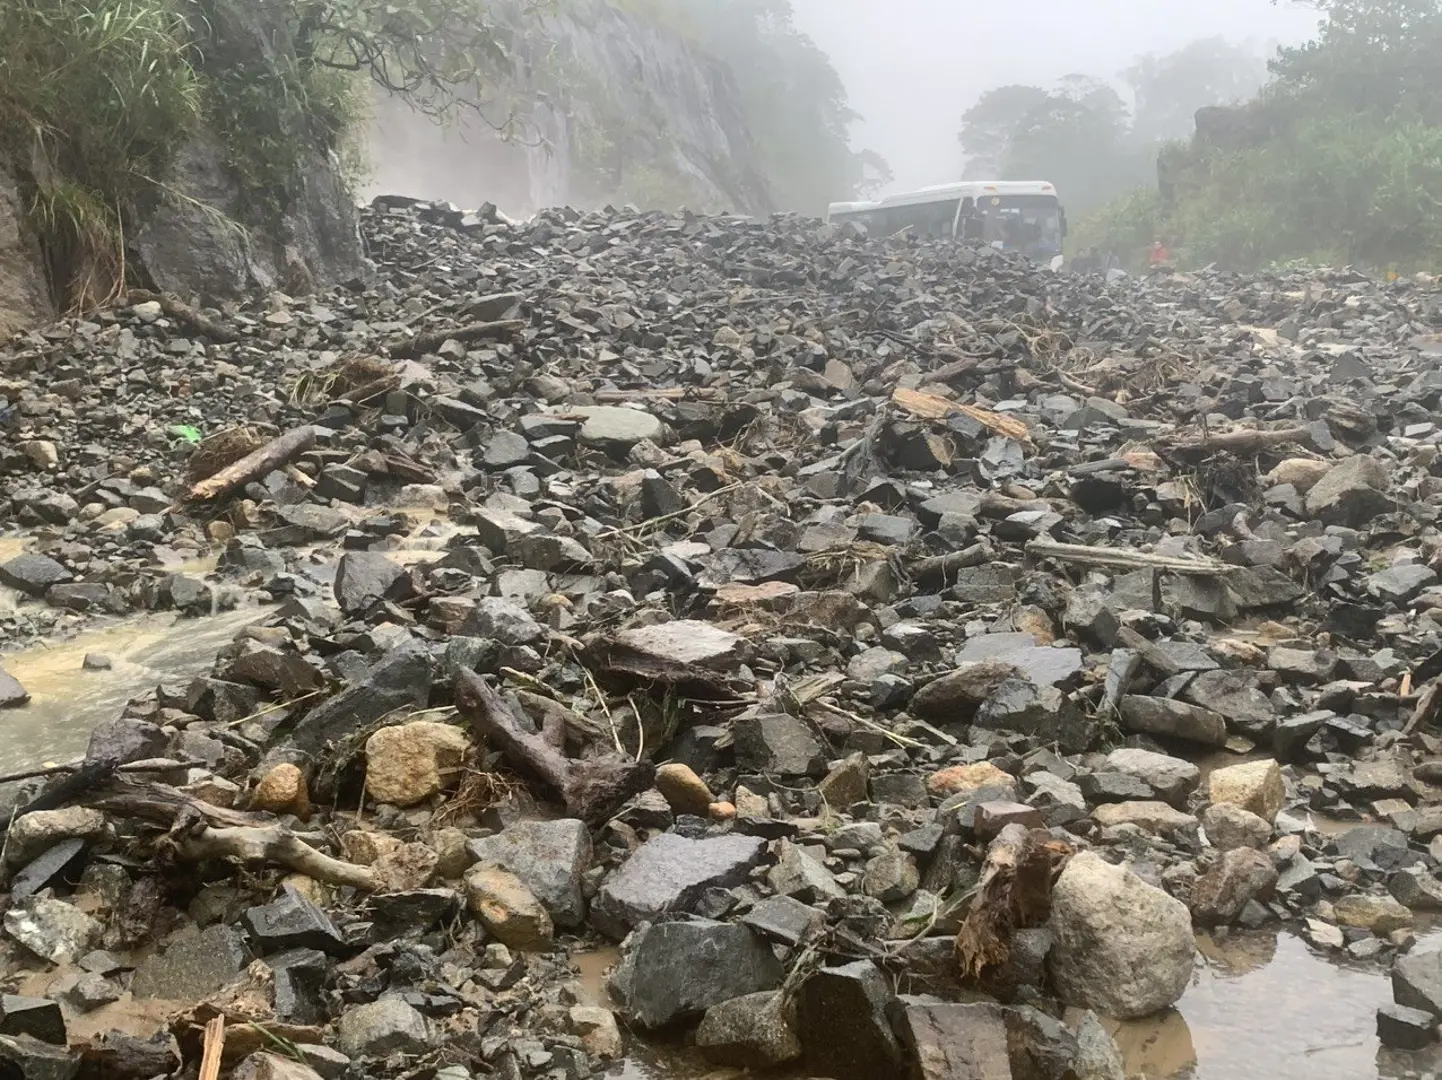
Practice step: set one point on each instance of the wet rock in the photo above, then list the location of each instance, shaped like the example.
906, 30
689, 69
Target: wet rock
784, 919
1171, 779
52, 929
33, 574
1379, 914
42, 829
957, 1042
841, 1018
956, 695
194, 964
801, 875
1402, 1028
846, 784
508, 909
38, 1018
401, 679
365, 577
1042, 665
1120, 946
409, 763
12, 694
673, 971
778, 744
599, 1033
750, 1032
1417, 981
1350, 494
1229, 827
1172, 719
891, 877
1256, 786
1153, 817
28, 1058
381, 1028
616, 429
668, 874
550, 857
1415, 888
291, 921
1237, 878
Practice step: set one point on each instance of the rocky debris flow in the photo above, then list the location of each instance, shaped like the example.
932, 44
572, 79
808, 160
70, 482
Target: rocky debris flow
808, 614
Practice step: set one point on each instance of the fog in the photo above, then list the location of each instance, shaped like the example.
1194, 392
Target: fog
912, 67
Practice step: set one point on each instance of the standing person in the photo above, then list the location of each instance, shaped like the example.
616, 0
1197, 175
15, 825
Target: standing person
1160, 258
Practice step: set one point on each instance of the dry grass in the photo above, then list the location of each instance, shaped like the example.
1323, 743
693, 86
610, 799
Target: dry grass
345, 375
478, 792
222, 449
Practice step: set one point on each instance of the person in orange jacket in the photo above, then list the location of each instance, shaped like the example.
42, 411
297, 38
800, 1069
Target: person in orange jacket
1160, 257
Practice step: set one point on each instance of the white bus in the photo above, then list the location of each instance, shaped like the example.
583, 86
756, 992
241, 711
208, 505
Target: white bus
1015, 215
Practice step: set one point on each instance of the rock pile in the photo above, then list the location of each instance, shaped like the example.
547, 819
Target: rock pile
795, 609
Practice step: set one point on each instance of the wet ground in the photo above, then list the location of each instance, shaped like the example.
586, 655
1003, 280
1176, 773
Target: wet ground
1263, 1005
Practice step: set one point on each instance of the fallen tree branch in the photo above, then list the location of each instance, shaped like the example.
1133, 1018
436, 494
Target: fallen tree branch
1246, 441
277, 845
420, 344
1122, 559
274, 454
183, 313
944, 566
591, 790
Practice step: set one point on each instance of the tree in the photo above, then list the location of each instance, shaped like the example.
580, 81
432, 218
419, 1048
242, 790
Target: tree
1168, 90
989, 128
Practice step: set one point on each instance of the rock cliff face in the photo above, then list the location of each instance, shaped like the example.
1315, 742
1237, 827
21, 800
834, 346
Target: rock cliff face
608, 108
24, 295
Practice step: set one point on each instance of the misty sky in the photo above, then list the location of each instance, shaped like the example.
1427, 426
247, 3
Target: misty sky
912, 67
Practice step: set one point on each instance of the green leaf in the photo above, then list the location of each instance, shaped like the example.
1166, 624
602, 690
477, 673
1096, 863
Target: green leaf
184, 431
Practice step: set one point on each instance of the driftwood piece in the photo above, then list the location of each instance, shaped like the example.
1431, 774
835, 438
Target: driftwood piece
1014, 893
421, 344
1424, 713
1245, 441
277, 845
279, 451
591, 790
248, 1029
214, 1048
1158, 659
944, 566
196, 321
932, 407
1122, 559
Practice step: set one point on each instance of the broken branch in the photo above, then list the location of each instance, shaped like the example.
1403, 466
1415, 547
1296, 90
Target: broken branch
421, 344
274, 454
1121, 559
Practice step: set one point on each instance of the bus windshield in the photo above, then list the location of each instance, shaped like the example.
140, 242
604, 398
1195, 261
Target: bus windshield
1026, 223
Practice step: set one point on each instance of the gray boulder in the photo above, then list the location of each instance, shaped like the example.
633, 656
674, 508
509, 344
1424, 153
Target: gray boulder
667, 874
551, 857
675, 971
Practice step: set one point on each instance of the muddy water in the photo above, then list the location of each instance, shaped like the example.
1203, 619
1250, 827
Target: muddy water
66, 701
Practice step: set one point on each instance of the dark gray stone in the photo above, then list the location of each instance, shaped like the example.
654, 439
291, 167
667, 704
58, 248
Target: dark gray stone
33, 573
1417, 981
12, 694
365, 577
778, 744
290, 921
39, 1018
400, 679
1172, 719
841, 1018
26, 1058
551, 857
1402, 1028
783, 919
669, 873
381, 1028
674, 971
193, 965
1044, 665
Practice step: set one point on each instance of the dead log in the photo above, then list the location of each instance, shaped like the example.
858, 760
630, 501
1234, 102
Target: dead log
1246, 441
591, 790
944, 566
184, 314
275, 845
1014, 893
279, 451
1123, 559
85, 779
421, 344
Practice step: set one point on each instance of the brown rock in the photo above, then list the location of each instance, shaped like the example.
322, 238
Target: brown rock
365, 847
684, 791
409, 866
1256, 786
956, 696
1153, 817
508, 909
283, 790
1240, 875
964, 779
408, 764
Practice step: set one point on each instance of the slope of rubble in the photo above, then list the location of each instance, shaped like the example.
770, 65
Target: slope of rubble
815, 616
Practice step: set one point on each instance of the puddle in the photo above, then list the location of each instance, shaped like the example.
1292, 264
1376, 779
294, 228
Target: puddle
1266, 1007
66, 701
